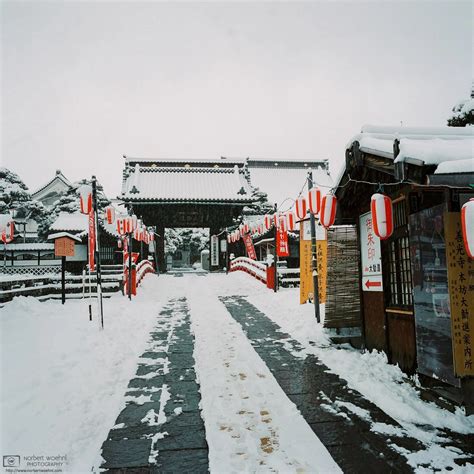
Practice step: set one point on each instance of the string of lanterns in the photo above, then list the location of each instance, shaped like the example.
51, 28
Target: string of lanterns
124, 224
325, 207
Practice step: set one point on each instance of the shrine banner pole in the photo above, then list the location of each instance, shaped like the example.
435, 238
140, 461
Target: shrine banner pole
97, 251
314, 255
275, 253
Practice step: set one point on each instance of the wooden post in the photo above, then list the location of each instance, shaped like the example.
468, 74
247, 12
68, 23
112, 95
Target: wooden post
314, 255
63, 279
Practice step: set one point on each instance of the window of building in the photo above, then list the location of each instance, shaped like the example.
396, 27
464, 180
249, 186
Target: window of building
400, 288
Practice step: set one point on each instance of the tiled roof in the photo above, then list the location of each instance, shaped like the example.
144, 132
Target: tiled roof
57, 177
78, 223
186, 184
284, 183
28, 246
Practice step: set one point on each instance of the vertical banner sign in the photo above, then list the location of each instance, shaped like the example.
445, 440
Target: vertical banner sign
461, 293
371, 256
249, 247
306, 276
214, 251
91, 241
283, 249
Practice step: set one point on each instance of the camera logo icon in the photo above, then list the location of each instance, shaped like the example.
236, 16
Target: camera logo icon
11, 461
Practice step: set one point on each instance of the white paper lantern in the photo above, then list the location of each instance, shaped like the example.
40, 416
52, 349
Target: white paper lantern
467, 222
314, 200
328, 210
85, 198
382, 215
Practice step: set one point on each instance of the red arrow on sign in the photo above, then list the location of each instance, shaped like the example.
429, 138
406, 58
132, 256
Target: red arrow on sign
369, 283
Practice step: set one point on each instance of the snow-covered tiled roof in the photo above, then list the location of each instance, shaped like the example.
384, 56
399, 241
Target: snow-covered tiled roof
186, 184
76, 222
57, 177
282, 181
163, 162
429, 145
34, 246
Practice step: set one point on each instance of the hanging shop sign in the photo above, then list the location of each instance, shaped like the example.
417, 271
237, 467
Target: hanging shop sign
371, 255
249, 247
214, 251
282, 246
461, 293
306, 274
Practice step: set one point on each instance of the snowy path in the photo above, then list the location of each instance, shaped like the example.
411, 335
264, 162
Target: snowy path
217, 385
251, 425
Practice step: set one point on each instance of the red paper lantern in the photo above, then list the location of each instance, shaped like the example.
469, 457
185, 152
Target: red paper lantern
152, 236
301, 208
290, 221
110, 214
267, 220
282, 223
467, 223
229, 238
328, 210
382, 215
134, 222
85, 198
245, 228
119, 243
314, 200
276, 219
121, 226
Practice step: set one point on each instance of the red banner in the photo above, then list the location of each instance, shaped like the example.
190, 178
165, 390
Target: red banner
249, 247
283, 249
91, 241
126, 257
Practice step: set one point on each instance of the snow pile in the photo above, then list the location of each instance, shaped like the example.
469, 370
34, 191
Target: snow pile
66, 378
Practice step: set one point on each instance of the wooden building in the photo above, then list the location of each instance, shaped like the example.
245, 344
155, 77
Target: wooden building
173, 193
407, 302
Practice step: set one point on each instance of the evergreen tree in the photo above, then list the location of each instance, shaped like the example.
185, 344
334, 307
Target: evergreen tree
463, 112
69, 202
14, 196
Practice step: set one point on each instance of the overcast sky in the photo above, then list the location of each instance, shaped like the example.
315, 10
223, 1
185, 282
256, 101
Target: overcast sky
85, 83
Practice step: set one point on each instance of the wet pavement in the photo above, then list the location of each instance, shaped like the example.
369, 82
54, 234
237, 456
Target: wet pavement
161, 429
341, 417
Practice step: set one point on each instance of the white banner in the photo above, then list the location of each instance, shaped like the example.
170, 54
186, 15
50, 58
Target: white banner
371, 256
214, 251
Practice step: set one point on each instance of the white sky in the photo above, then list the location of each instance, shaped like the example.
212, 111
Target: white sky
85, 83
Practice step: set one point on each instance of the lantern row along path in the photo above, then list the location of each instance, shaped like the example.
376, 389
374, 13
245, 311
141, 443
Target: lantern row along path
222, 387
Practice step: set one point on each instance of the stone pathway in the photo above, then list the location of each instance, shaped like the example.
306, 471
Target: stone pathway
161, 429
339, 416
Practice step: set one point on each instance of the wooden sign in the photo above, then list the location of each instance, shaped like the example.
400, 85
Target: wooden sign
306, 275
461, 295
64, 247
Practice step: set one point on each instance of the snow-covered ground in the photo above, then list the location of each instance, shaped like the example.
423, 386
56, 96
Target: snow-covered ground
63, 379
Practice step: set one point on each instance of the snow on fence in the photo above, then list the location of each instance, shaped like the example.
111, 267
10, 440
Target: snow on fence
49, 286
257, 269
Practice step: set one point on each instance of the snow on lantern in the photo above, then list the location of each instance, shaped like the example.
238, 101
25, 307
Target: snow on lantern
110, 214
290, 221
314, 200
382, 218
85, 198
328, 210
301, 208
267, 220
467, 222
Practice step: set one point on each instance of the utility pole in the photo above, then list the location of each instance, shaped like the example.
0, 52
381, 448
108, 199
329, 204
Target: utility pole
97, 251
314, 255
